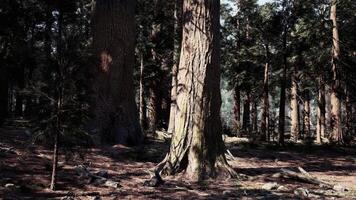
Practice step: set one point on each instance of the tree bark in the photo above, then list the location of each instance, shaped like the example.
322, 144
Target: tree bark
246, 117
337, 135
265, 110
306, 115
348, 105
282, 100
237, 109
254, 116
294, 107
320, 128
142, 112
114, 45
177, 33
153, 108
197, 147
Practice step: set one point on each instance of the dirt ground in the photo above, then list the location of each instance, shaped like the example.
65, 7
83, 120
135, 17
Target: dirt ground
25, 172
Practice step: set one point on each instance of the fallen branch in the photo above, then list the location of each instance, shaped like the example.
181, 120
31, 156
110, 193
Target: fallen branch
304, 176
229, 155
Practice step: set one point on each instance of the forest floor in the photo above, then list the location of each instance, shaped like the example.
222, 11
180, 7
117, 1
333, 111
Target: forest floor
25, 172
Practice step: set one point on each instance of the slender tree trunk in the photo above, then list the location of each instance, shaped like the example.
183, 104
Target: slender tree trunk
265, 110
177, 33
328, 111
114, 44
337, 135
348, 112
57, 110
237, 109
282, 102
197, 147
320, 129
142, 96
246, 117
153, 108
306, 115
54, 162
294, 107
254, 116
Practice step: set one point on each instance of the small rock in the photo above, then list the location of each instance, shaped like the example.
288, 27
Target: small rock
10, 185
112, 184
301, 192
226, 192
270, 186
282, 188
340, 188
277, 175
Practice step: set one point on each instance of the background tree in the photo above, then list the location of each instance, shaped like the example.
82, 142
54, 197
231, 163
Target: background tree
115, 108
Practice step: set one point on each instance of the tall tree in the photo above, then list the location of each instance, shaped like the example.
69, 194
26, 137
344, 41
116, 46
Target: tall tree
337, 135
306, 114
114, 45
177, 33
320, 128
237, 109
197, 146
294, 106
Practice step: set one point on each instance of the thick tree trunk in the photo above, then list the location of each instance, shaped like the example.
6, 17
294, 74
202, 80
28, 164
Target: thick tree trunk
265, 110
237, 109
177, 33
337, 135
114, 44
294, 108
306, 115
246, 116
320, 128
197, 147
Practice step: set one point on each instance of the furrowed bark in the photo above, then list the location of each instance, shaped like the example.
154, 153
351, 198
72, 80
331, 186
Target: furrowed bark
337, 135
197, 147
116, 112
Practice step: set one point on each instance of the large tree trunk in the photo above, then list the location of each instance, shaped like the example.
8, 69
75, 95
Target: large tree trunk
337, 135
237, 109
265, 110
294, 107
197, 147
114, 44
320, 128
246, 116
177, 33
